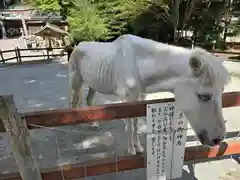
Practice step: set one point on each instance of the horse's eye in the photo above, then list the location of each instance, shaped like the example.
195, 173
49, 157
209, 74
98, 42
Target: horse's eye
205, 97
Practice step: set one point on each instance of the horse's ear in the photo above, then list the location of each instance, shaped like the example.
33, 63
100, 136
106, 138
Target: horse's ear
196, 65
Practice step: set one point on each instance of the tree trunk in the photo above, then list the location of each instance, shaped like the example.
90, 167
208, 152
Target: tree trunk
175, 18
228, 18
24, 26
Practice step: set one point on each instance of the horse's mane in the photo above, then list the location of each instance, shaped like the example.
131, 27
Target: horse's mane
214, 71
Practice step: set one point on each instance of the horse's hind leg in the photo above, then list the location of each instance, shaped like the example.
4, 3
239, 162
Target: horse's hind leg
76, 90
89, 99
76, 97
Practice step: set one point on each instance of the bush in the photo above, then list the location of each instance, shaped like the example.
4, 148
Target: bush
87, 24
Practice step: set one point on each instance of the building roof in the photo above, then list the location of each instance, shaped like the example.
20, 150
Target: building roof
51, 30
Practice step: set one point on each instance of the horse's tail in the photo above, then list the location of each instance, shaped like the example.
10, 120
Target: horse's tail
69, 50
75, 77
74, 64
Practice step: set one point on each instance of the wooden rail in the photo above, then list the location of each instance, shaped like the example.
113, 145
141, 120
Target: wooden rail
125, 163
104, 112
109, 112
19, 56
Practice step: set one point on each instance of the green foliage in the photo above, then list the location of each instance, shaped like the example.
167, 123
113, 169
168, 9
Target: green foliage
86, 23
207, 23
65, 7
104, 19
234, 29
45, 5
152, 23
121, 13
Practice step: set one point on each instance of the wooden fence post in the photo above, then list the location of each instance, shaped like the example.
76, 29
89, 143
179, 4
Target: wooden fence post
16, 127
48, 57
17, 53
1, 54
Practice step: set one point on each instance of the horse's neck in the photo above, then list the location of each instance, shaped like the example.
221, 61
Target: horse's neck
159, 71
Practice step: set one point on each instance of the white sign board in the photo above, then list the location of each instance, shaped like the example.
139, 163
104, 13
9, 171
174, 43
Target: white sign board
166, 138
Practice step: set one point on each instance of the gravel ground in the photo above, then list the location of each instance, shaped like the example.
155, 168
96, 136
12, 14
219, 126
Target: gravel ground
45, 86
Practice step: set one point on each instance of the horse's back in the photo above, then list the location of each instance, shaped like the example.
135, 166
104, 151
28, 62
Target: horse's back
97, 48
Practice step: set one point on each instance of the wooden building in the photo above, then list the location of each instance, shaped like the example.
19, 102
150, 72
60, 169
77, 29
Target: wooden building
26, 21
52, 33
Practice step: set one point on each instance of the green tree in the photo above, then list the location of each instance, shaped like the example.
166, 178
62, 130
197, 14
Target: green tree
121, 13
45, 5
65, 7
104, 19
150, 23
206, 23
87, 23
232, 10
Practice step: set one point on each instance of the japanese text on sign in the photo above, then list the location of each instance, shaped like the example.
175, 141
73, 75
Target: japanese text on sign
159, 139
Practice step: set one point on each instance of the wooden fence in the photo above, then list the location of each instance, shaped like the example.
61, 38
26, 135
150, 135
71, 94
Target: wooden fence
18, 54
108, 112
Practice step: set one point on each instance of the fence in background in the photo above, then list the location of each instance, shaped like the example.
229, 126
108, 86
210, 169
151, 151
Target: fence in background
20, 55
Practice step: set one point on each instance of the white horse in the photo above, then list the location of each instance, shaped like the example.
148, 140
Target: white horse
131, 66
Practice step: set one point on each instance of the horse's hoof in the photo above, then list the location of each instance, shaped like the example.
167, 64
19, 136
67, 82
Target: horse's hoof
94, 125
132, 151
139, 150
139, 153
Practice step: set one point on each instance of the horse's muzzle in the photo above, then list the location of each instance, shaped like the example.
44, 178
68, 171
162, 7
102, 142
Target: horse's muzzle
203, 138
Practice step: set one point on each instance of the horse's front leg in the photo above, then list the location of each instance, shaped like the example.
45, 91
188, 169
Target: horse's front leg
134, 145
130, 131
136, 140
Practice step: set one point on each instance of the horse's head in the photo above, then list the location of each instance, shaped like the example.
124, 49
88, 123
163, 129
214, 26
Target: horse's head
199, 95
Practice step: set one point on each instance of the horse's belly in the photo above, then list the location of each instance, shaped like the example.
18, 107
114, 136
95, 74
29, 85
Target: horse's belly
101, 82
101, 87
98, 71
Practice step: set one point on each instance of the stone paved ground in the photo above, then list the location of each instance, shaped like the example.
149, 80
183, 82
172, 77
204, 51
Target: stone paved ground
45, 86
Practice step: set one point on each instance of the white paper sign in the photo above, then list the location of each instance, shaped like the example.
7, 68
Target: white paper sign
160, 141
180, 138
